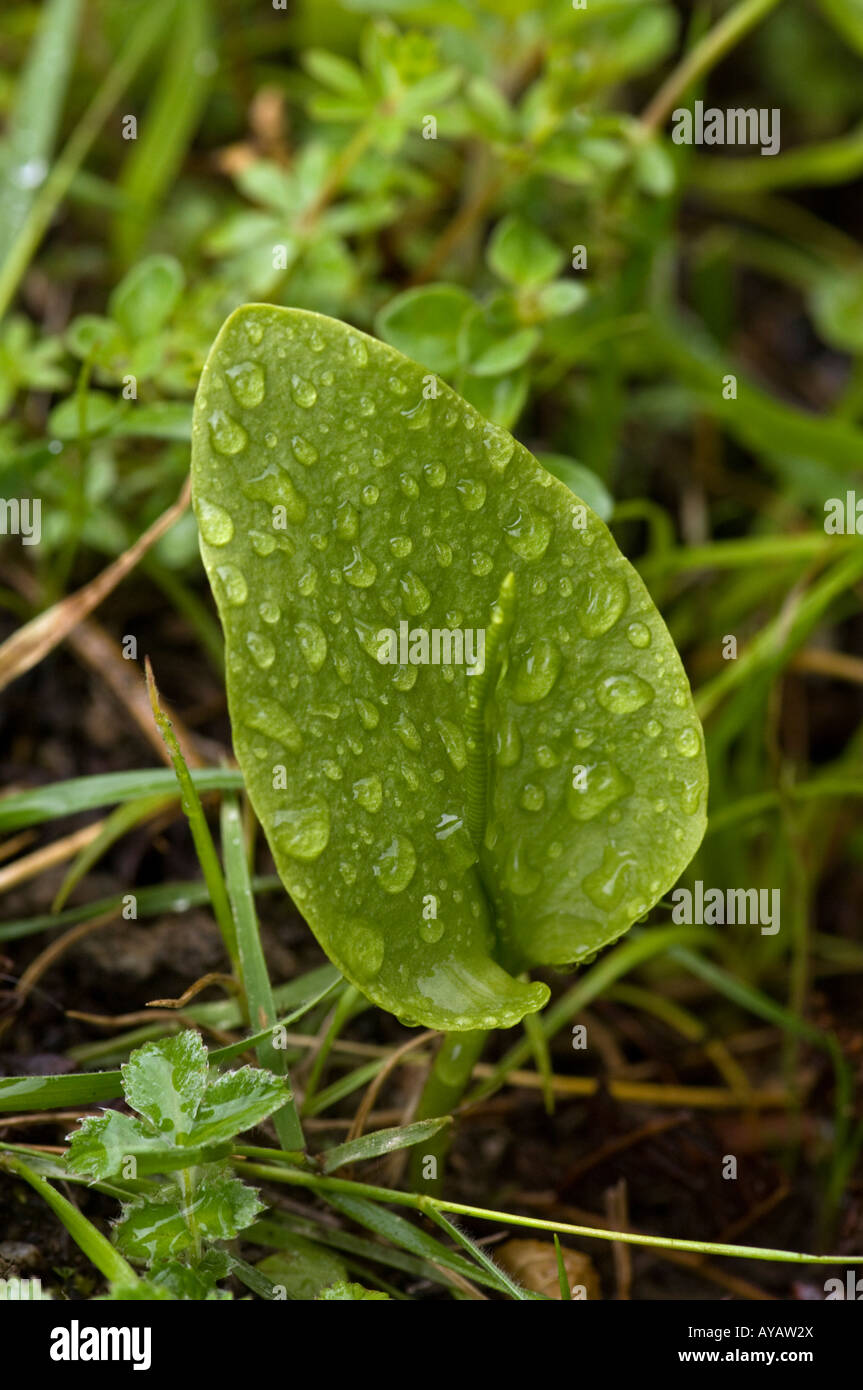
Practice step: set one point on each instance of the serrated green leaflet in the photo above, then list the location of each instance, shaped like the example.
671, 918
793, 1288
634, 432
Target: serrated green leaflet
441, 829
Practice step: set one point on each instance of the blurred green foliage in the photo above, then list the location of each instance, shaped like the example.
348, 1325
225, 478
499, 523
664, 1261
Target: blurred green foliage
490, 186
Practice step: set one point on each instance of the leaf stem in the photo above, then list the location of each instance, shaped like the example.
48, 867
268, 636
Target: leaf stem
731, 28
444, 1088
427, 1204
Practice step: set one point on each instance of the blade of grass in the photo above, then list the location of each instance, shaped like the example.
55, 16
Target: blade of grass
23, 809
253, 966
203, 840
565, 1290
142, 37
95, 1246
35, 115
464, 1240
169, 124
149, 902
381, 1141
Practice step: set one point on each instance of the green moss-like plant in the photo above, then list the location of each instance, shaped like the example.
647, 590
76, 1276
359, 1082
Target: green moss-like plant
442, 828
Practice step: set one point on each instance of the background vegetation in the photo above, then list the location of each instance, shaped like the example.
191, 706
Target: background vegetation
307, 130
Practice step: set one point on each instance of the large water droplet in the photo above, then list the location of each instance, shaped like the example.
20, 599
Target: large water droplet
443, 554
263, 542
415, 594
606, 885
528, 531
247, 383
347, 520
498, 446
621, 694
604, 785
369, 793
507, 742
401, 546
304, 452
453, 741
358, 351
228, 437
472, 493
638, 634
408, 733
215, 524
234, 584
518, 875
431, 930
688, 743
262, 649
532, 797
360, 571
369, 717
270, 718
363, 948
303, 392
434, 474
276, 487
600, 603
303, 832
313, 644
536, 672
396, 865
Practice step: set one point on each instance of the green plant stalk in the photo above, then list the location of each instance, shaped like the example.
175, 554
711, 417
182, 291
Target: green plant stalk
709, 51
56, 186
204, 847
294, 1177
85, 1235
253, 966
446, 1083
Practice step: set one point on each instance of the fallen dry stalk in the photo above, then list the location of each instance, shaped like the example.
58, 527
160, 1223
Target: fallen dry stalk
26, 647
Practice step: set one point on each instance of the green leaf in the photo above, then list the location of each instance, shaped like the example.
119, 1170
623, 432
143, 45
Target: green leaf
580, 480
101, 1144
165, 1082
837, 307
303, 1268
176, 1279
491, 343
144, 300
382, 1141
350, 1293
235, 1102
441, 831
162, 1226
559, 298
96, 411
521, 254
424, 324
